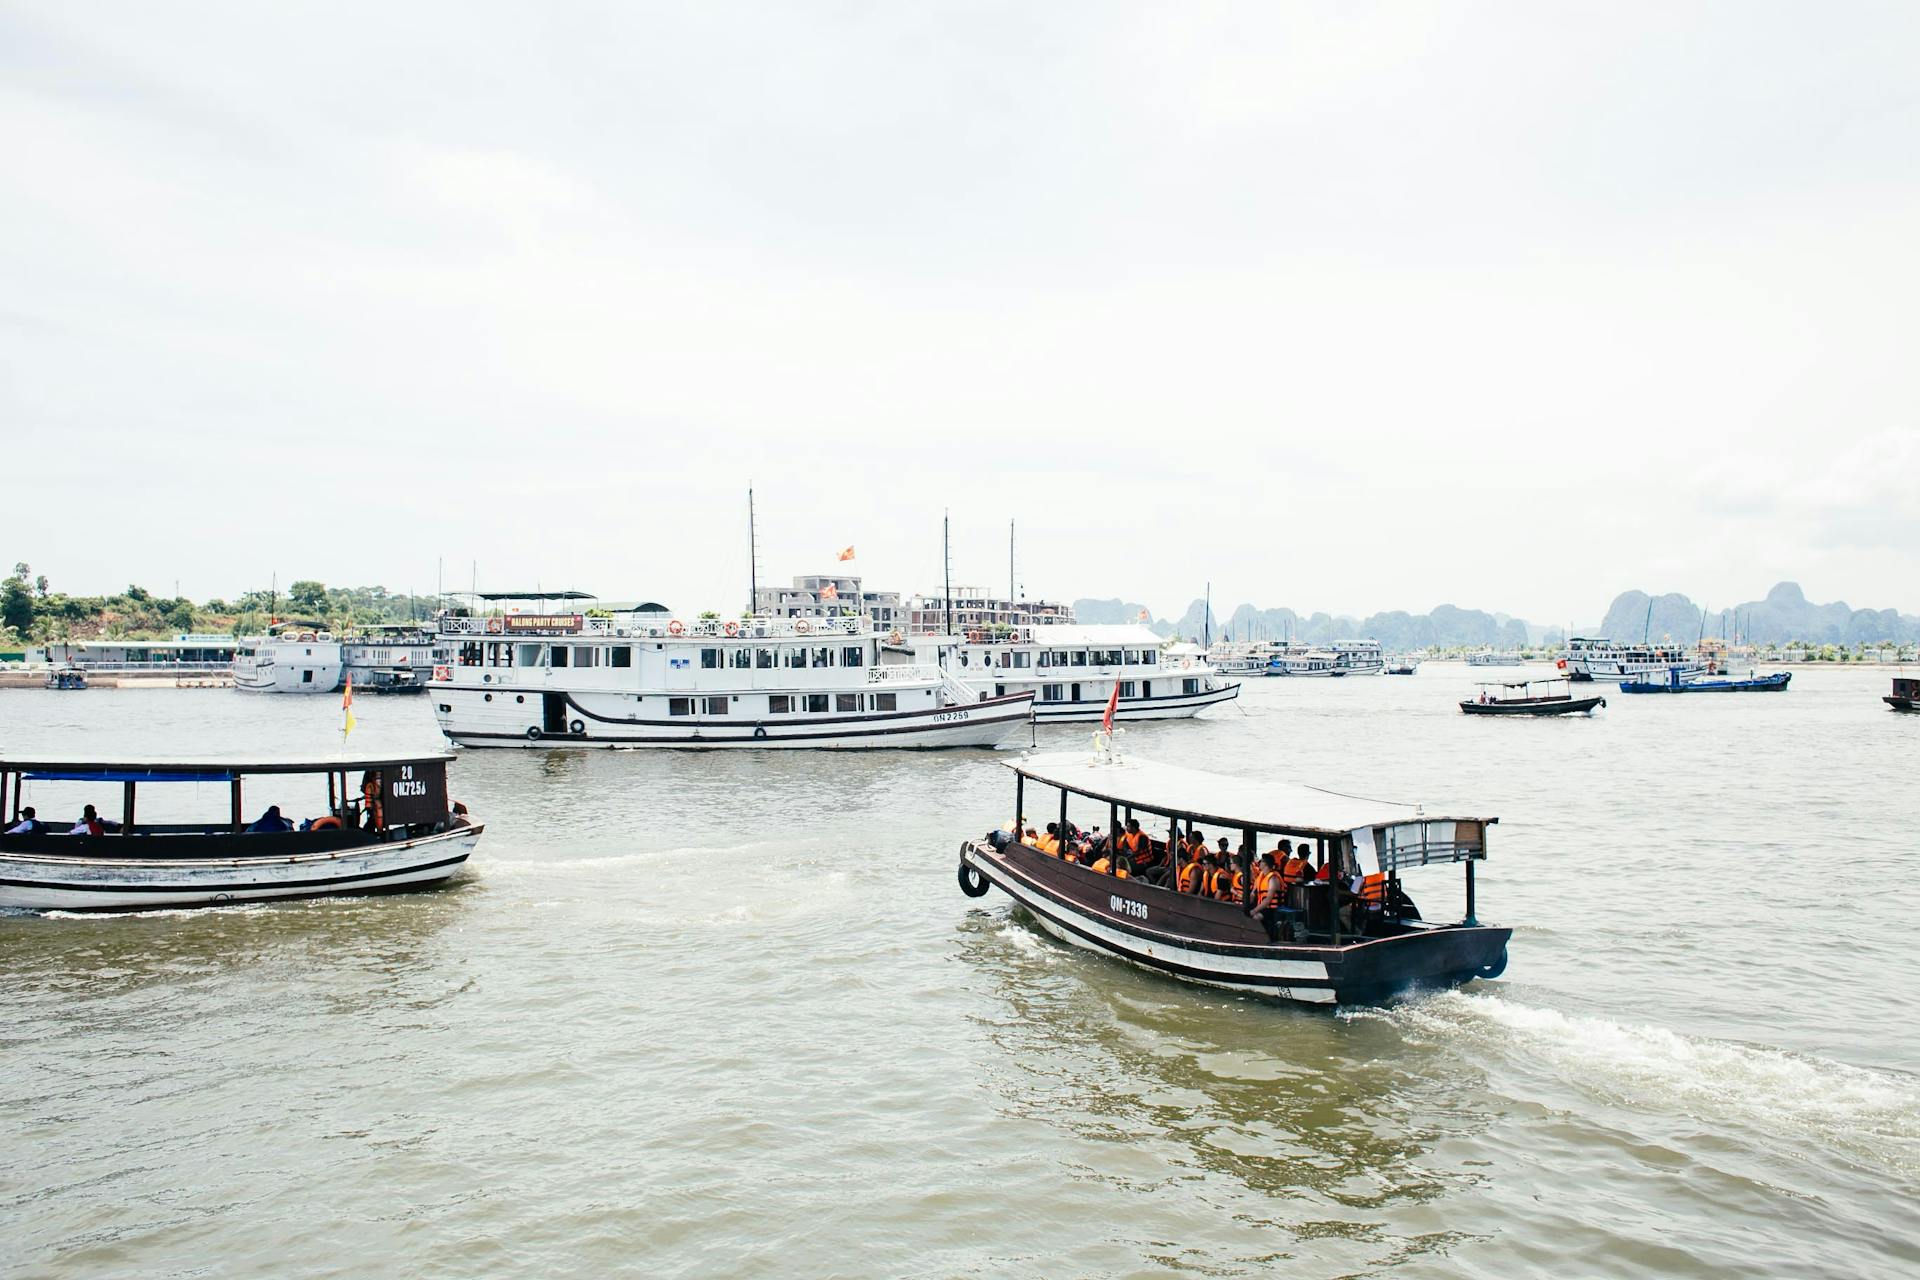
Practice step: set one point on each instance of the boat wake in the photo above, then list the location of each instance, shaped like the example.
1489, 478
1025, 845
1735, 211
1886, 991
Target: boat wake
160, 913
1870, 1115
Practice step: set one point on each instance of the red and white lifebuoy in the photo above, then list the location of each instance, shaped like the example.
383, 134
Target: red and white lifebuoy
443, 673
803, 626
732, 628
1186, 664
676, 627
493, 626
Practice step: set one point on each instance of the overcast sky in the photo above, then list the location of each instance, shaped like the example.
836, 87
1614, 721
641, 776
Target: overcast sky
1342, 306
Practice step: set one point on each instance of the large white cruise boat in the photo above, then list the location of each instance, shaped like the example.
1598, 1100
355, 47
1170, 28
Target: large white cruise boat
1359, 657
390, 658
1305, 662
1070, 670
1589, 659
645, 680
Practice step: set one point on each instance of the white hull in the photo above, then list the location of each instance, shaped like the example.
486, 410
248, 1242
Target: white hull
1173, 706
995, 722
47, 883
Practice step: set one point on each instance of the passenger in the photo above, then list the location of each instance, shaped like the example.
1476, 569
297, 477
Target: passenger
1103, 864
1222, 884
1295, 866
1136, 848
271, 821
1192, 873
1050, 842
1268, 886
89, 824
29, 825
459, 816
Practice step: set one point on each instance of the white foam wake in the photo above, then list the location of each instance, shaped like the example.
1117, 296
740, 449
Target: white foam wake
1870, 1114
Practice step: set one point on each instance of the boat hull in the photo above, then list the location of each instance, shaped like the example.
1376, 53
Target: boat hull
1763, 684
49, 882
1556, 707
1902, 704
1216, 944
990, 723
1176, 706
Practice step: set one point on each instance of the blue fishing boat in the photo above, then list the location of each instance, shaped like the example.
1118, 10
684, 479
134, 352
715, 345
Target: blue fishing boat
1680, 681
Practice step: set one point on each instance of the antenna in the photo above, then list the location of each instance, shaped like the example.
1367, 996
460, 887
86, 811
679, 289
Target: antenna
753, 556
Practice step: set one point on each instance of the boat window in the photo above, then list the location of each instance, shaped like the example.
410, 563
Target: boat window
779, 704
1128, 689
623, 655
851, 657
529, 655
679, 706
1079, 657
763, 659
886, 702
793, 658
740, 658
709, 659
823, 657
1189, 686
817, 703
1149, 657
557, 655
1006, 658
1021, 658
1046, 658
306, 677
846, 702
715, 706
586, 656
1132, 656
1146, 688
1051, 693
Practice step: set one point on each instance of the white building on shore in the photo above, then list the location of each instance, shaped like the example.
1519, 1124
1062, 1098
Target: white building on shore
974, 610
828, 595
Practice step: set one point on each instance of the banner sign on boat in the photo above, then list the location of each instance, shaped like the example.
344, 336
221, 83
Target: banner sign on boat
543, 622
414, 792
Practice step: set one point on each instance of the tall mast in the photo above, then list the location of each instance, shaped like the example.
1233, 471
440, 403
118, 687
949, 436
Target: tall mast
1206, 617
1010, 568
753, 558
946, 562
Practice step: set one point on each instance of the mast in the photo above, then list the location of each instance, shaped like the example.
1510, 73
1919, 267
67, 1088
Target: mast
1206, 617
753, 558
946, 562
1010, 568
1646, 628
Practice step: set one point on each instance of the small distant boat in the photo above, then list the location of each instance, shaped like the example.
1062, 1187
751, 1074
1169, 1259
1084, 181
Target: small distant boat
1681, 680
1403, 667
1905, 695
389, 828
1517, 698
1490, 658
67, 678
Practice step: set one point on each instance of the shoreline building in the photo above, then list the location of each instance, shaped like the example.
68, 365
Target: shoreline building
975, 610
829, 595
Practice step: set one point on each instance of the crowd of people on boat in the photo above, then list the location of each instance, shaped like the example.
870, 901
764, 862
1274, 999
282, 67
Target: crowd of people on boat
272, 822
1190, 865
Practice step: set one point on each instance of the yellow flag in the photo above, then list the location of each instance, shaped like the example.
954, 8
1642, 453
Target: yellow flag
346, 709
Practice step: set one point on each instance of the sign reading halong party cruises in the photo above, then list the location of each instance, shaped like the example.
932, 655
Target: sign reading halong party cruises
543, 622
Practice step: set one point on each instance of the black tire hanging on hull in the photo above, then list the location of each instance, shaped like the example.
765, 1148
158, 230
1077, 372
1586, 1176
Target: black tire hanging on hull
972, 882
1488, 972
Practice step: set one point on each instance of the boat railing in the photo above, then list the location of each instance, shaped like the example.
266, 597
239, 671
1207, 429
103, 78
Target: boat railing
103, 666
654, 627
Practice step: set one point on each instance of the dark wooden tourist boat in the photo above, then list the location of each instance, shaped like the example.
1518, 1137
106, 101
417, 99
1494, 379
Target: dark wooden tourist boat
1318, 959
1500, 699
387, 825
1683, 680
1905, 695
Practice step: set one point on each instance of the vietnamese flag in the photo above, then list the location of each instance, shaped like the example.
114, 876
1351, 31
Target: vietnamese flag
1113, 705
847, 554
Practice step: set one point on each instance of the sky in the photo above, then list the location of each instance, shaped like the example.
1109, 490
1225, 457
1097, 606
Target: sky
1342, 306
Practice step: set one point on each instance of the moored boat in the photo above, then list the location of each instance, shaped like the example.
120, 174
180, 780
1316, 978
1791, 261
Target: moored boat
1071, 670
1355, 937
1517, 698
1587, 658
1905, 695
391, 828
1686, 680
646, 680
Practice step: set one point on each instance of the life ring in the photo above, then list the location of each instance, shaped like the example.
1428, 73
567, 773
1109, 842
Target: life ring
493, 626
328, 823
975, 637
1186, 664
759, 731
803, 626
894, 636
306, 637
578, 728
1490, 971
533, 733
676, 627
732, 628
972, 882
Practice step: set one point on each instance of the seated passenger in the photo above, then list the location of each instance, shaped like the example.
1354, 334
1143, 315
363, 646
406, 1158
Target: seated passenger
1103, 864
271, 821
1222, 883
1050, 842
1192, 875
1136, 848
89, 824
459, 816
29, 825
1267, 887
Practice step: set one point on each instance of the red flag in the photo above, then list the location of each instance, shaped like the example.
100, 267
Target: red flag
847, 554
829, 592
1113, 705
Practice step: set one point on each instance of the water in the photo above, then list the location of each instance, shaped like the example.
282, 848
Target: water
729, 1015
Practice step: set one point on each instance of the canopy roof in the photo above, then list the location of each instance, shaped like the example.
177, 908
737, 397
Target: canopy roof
1518, 684
212, 769
1227, 802
535, 595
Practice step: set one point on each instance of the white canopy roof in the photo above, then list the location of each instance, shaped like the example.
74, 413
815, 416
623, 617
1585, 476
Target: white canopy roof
1218, 800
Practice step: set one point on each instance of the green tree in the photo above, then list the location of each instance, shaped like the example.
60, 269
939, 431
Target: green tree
180, 618
308, 596
16, 604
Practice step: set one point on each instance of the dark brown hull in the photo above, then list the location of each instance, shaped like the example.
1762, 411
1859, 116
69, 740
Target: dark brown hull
1219, 944
1534, 707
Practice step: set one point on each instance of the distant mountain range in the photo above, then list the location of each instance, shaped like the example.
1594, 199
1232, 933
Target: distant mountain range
1785, 615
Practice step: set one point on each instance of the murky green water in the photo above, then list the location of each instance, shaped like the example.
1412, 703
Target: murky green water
729, 1015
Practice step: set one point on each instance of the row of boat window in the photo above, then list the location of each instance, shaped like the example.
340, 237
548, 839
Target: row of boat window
792, 657
785, 704
739, 657
1019, 658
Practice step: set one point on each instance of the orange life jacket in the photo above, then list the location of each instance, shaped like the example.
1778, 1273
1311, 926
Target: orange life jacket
1047, 844
1103, 865
1263, 883
1373, 888
1071, 855
1190, 877
1220, 884
1120, 873
1134, 845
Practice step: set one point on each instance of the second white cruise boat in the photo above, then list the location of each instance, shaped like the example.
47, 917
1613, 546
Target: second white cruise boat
641, 680
1072, 668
